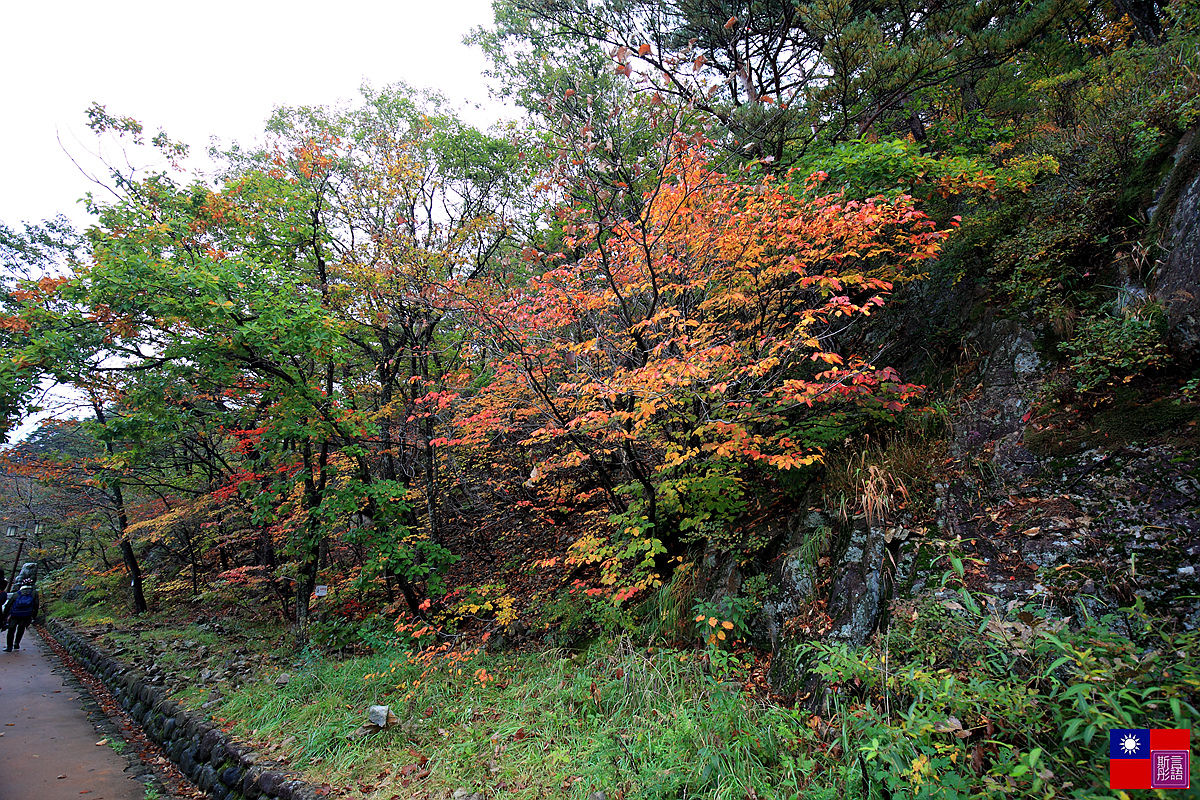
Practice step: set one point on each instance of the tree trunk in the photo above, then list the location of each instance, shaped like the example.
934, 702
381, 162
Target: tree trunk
118, 500
127, 554
306, 581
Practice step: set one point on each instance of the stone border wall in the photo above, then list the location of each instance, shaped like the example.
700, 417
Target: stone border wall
224, 769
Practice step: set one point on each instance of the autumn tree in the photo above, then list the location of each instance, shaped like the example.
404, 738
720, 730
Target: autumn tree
674, 356
52, 477
32, 259
296, 315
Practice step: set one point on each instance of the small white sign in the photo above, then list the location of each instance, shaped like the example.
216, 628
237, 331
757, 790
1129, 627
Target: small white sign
321, 591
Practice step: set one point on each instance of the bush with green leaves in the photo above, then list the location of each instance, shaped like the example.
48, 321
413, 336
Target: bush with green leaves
959, 701
721, 620
863, 167
1110, 348
705, 502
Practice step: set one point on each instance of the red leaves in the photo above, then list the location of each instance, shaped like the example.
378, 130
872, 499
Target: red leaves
698, 321
418, 771
234, 484
244, 576
14, 323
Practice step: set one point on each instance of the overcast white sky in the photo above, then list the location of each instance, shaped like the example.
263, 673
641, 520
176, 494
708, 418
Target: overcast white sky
207, 69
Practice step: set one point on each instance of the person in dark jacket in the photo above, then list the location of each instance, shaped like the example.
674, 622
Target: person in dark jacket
20, 609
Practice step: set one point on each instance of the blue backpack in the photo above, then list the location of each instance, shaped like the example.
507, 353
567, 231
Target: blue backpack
22, 606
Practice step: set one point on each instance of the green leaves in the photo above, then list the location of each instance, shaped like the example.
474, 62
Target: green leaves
973, 706
706, 501
290, 318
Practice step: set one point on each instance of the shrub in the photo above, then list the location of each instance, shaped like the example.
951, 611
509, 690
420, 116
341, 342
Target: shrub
1109, 348
951, 702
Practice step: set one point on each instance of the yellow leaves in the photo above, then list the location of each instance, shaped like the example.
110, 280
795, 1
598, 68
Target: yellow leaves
719, 628
786, 461
920, 770
489, 599
674, 458
588, 549
646, 409
763, 366
828, 358
506, 612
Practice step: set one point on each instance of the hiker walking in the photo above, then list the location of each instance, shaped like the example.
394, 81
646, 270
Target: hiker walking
19, 609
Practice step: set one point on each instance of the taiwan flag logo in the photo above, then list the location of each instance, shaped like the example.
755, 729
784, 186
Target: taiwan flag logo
1149, 758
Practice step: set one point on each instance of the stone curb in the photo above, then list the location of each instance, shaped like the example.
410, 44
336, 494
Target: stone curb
222, 768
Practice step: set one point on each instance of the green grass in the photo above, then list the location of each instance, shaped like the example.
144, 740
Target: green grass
954, 701
656, 725
1032, 699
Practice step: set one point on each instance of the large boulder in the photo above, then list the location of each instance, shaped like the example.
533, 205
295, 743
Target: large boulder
862, 584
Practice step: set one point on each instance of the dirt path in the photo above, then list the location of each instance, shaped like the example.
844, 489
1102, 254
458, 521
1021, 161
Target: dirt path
48, 745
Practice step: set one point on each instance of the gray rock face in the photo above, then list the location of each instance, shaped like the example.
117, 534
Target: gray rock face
1009, 379
796, 581
1177, 284
995, 418
861, 585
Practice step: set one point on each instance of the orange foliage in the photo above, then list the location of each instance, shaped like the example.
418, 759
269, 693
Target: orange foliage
690, 332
